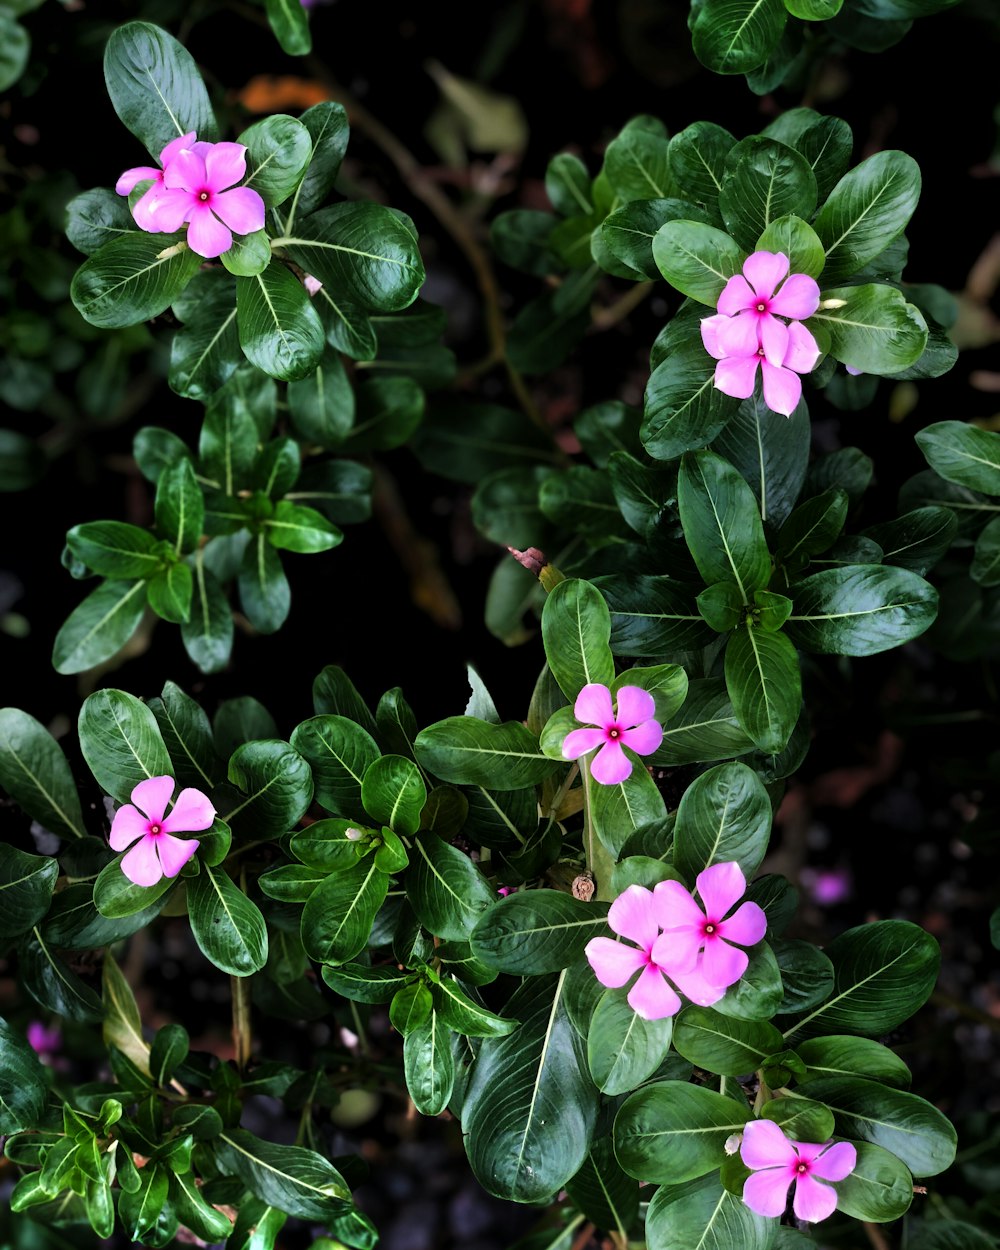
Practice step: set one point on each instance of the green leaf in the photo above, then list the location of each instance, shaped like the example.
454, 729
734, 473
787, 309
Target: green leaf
871, 327
637, 167
697, 259
277, 782
393, 793
180, 507
95, 217
170, 592
472, 752
155, 86
879, 1189
702, 1213
249, 254
114, 549
628, 232
187, 736
806, 975
338, 916
169, 1050
736, 36
194, 1212
763, 680
280, 330
884, 972
538, 1077
53, 984
291, 883
133, 278
866, 210
329, 130
722, 524
140, 1212
704, 729
26, 885
907, 1126
389, 411
852, 1056
411, 1007
602, 1191
797, 240
580, 499
264, 590
670, 1131
116, 897
205, 350
363, 251
226, 925
567, 184
322, 405
364, 984
208, 633
722, 1044
537, 931
293, 527
771, 454
467, 441
121, 742
23, 1088
429, 1065
860, 610
623, 1049
446, 890
347, 326
463, 1015
290, 1178
652, 615
576, 627
698, 160
724, 816
764, 180
963, 453
683, 408
339, 753
800, 1119
35, 773
279, 149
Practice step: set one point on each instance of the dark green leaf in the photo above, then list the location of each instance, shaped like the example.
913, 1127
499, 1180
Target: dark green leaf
121, 742
722, 525
446, 890
860, 609
280, 330
279, 148
537, 931
623, 1049
702, 1213
762, 677
226, 925
764, 180
866, 210
722, 1044
278, 785
133, 278
290, 1178
724, 816
35, 773
339, 753
470, 751
329, 130
672, 1131
338, 916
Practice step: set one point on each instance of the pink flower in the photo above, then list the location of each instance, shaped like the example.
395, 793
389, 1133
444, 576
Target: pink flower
754, 304
195, 183
634, 914
142, 173
158, 853
44, 1041
696, 940
777, 1162
737, 369
631, 727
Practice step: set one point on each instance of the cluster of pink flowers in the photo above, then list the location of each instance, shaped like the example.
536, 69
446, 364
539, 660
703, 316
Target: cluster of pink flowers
631, 726
192, 187
157, 853
679, 941
747, 331
777, 1163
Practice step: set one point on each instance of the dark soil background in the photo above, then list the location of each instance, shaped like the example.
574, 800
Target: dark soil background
891, 813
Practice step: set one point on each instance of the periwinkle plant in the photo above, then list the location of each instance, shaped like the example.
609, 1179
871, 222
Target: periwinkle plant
475, 875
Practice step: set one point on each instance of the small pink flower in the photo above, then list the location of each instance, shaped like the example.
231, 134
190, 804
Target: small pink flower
633, 727
696, 940
778, 1162
855, 373
44, 1041
741, 353
312, 284
752, 300
158, 853
195, 183
633, 914
142, 173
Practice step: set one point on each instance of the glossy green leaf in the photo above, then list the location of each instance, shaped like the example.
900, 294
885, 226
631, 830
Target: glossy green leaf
338, 916
865, 211
800, 1118
187, 735
52, 983
95, 217
637, 167
322, 404
35, 773
446, 890
871, 327
429, 1066
964, 454
683, 408
194, 1212
133, 278
724, 816
576, 627
652, 615
704, 729
797, 240
702, 1213
115, 549
762, 677
771, 453
879, 1189
852, 1056
723, 1044
860, 610
226, 925
470, 751
293, 1179
339, 753
806, 975
277, 783
293, 527
602, 1191
364, 984
567, 184
116, 897
537, 931
329, 130
722, 525
23, 1088
469, 1018
279, 149
205, 350
264, 591
670, 1131
764, 181
623, 1049
121, 742
279, 328
697, 259
628, 232
170, 592
208, 632
26, 885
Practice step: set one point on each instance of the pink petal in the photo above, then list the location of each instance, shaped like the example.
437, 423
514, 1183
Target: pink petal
186, 172
175, 852
643, 739
141, 865
782, 389
774, 340
127, 825
767, 1192
613, 962
633, 915
207, 235
740, 335
735, 376
813, 1201
855, 373
635, 705
192, 812
579, 741
710, 327
736, 295
766, 1146
803, 350
764, 270
694, 986
152, 796
747, 925
241, 209
651, 997
143, 211
720, 887
131, 178
723, 964
170, 210
798, 297
836, 1163
610, 765
593, 705
226, 165
677, 951
175, 146
675, 908
809, 1150
202, 148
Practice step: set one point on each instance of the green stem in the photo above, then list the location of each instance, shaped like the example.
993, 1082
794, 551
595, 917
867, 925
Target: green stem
599, 859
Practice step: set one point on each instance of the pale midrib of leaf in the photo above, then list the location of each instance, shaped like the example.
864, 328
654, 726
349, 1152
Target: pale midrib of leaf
773, 718
738, 32
540, 1068
287, 1176
852, 989
229, 915
836, 616
119, 604
711, 1220
724, 537
856, 222
340, 247
355, 903
78, 832
163, 100
192, 372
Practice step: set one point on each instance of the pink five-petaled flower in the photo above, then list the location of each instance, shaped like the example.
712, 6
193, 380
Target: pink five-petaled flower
157, 852
633, 915
777, 1161
43, 1040
699, 941
195, 183
131, 178
631, 727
